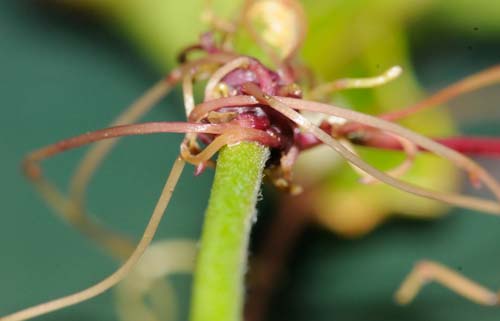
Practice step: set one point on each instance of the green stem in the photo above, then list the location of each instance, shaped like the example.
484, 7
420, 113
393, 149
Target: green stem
221, 263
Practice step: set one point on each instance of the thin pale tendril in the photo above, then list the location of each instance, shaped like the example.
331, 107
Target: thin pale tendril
229, 137
201, 110
351, 83
481, 79
119, 274
409, 148
240, 62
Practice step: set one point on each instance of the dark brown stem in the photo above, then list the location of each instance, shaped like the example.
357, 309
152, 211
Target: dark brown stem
268, 264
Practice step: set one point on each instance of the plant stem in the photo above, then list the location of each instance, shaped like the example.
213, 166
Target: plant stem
221, 264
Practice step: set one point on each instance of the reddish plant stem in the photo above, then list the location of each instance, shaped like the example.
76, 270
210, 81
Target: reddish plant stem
361, 135
476, 146
481, 146
470, 145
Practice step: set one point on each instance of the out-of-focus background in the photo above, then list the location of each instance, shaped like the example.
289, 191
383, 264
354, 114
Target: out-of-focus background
66, 70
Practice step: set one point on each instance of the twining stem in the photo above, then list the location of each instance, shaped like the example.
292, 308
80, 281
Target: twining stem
218, 281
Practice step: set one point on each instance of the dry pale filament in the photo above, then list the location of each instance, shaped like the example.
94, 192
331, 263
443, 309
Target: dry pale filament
428, 271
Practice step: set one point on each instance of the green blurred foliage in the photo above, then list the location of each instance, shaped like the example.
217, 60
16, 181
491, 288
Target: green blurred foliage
63, 75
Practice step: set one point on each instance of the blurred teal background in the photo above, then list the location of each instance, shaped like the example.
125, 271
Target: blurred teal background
63, 74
